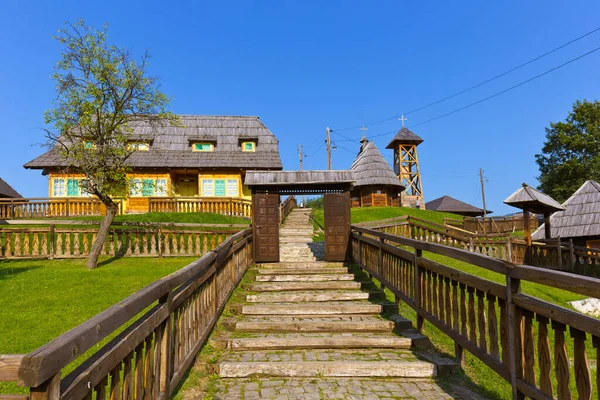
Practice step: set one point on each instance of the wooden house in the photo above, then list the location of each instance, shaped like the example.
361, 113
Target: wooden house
452, 205
376, 183
203, 156
7, 192
580, 221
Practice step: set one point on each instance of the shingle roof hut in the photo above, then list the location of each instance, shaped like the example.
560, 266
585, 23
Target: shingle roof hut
452, 205
580, 218
376, 183
529, 199
7, 192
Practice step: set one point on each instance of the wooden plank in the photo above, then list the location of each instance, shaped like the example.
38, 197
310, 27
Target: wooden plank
544, 357
493, 326
584, 285
583, 378
99, 365
48, 390
528, 348
9, 367
14, 397
561, 362
557, 313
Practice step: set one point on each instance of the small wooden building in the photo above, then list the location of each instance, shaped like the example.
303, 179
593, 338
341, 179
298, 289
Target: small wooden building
376, 183
452, 205
7, 192
580, 221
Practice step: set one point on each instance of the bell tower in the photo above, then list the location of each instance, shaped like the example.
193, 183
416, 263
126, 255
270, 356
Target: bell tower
406, 166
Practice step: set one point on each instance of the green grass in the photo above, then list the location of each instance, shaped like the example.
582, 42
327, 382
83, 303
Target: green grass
41, 299
192, 217
366, 214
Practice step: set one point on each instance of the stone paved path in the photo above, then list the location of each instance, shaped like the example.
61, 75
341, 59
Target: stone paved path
304, 333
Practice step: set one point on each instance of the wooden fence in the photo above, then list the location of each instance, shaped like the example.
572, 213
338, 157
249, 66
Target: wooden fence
149, 358
52, 242
552, 254
494, 224
227, 206
508, 330
52, 207
286, 207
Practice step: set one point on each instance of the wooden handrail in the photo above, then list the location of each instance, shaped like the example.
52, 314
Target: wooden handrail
156, 328
506, 329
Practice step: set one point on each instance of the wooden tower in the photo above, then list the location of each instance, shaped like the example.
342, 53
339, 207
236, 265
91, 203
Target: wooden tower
406, 166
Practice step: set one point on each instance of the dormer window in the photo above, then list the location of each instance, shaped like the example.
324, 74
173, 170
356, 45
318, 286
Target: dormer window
248, 146
88, 144
203, 146
138, 146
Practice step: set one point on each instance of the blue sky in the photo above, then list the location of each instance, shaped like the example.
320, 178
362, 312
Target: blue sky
302, 66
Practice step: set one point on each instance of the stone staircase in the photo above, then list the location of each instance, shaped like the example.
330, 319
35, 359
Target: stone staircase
312, 319
295, 238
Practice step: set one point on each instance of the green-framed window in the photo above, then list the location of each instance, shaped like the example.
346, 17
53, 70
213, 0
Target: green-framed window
203, 147
248, 146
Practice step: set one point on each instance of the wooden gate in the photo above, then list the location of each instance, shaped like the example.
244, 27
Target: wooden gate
265, 227
337, 225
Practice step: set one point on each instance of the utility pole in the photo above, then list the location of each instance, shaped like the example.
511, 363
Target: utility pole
482, 192
328, 142
301, 156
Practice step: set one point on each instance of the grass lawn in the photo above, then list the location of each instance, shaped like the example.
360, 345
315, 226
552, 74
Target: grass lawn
41, 299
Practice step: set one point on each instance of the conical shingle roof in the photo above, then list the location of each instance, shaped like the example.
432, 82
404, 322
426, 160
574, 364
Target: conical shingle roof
581, 216
370, 168
452, 205
533, 200
404, 136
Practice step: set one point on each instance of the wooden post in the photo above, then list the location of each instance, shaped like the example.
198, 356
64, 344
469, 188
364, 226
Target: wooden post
514, 337
49, 390
359, 261
509, 248
417, 284
51, 240
559, 252
547, 225
67, 207
12, 209
380, 258
571, 256
526, 227
166, 367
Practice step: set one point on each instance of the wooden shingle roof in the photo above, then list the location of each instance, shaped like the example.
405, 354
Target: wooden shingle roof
581, 216
291, 178
452, 205
533, 200
370, 168
171, 146
7, 191
404, 136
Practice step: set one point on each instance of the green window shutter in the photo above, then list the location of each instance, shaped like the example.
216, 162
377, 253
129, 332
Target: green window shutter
220, 187
73, 187
147, 187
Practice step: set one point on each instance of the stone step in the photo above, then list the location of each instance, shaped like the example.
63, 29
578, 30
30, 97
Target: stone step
301, 297
312, 309
344, 324
318, 264
302, 271
291, 286
323, 341
305, 278
382, 363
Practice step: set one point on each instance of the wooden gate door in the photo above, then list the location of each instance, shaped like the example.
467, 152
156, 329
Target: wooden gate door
337, 225
265, 227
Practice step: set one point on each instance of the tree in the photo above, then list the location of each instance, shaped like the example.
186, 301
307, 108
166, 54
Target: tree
102, 92
571, 153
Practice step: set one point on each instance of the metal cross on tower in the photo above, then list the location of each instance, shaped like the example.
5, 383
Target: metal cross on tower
402, 119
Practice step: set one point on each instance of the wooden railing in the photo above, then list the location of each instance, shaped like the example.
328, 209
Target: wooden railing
538, 347
286, 207
497, 224
226, 205
53, 207
52, 242
147, 359
552, 254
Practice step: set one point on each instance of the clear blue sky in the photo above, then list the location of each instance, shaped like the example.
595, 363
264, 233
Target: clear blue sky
305, 65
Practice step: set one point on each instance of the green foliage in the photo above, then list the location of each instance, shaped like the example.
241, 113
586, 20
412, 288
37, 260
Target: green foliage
102, 92
315, 203
571, 153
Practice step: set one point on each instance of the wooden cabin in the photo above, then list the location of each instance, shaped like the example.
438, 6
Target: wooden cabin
376, 183
7, 192
204, 156
580, 221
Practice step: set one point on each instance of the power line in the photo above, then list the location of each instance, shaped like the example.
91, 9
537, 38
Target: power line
315, 152
495, 94
479, 84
